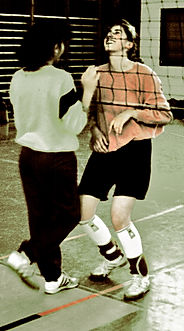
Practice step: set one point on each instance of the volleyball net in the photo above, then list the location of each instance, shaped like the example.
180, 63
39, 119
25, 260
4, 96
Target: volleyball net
162, 47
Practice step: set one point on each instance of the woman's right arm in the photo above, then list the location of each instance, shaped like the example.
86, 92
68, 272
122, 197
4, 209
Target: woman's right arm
89, 80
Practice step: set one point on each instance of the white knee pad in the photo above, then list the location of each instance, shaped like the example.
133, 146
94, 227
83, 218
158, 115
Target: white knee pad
96, 229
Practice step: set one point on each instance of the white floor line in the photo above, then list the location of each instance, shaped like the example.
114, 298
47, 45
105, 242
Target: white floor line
8, 161
176, 134
76, 237
167, 211
3, 257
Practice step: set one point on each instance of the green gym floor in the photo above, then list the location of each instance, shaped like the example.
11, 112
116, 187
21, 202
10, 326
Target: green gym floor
100, 306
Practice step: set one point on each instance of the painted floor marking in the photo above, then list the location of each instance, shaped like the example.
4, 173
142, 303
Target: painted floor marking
53, 310
4, 257
164, 212
91, 296
75, 237
9, 161
167, 211
176, 134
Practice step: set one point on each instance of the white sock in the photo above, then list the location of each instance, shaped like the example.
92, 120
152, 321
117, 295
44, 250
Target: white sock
96, 229
131, 241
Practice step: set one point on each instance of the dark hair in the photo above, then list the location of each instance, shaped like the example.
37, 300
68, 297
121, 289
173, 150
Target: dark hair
133, 53
39, 41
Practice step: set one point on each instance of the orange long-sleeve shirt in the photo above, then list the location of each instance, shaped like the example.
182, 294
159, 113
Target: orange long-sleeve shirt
132, 89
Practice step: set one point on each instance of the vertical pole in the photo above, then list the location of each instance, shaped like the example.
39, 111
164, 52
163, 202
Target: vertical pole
67, 8
32, 11
67, 15
100, 27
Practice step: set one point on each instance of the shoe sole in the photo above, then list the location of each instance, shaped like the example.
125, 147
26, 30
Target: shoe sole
30, 282
135, 297
61, 289
27, 280
101, 278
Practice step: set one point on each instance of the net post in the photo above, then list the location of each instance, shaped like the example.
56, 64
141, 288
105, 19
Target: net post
32, 11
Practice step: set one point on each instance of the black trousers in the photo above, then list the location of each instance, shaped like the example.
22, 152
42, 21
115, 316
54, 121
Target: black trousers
50, 187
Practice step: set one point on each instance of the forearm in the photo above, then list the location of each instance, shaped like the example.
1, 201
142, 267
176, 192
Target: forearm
75, 119
148, 116
94, 129
158, 111
86, 99
89, 81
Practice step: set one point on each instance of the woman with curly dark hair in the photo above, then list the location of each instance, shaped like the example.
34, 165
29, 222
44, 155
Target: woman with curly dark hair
128, 110
48, 118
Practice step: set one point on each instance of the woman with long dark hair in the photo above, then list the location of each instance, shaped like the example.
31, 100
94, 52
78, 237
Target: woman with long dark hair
128, 110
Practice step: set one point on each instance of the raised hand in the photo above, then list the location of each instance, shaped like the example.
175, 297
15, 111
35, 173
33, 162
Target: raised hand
90, 78
89, 81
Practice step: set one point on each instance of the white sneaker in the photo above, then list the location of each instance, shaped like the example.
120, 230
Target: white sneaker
64, 282
105, 268
22, 265
139, 285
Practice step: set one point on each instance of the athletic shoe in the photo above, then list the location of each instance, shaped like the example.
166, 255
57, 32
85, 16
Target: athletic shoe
139, 285
64, 282
105, 268
20, 263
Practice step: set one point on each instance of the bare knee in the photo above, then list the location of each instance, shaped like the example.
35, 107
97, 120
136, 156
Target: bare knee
120, 221
121, 211
88, 207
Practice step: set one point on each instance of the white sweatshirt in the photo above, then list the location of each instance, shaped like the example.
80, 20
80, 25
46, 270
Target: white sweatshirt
48, 117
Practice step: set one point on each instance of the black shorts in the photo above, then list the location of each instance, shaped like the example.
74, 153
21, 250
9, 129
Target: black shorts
128, 168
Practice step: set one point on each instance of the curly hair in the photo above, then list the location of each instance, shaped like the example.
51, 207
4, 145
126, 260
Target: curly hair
38, 43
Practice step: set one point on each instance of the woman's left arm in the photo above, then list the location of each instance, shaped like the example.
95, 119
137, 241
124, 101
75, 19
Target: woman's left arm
159, 111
